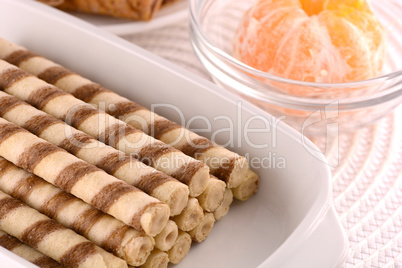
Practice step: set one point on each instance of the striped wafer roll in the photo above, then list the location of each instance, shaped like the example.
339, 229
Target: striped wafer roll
157, 259
104, 127
180, 248
223, 208
50, 237
203, 229
28, 253
226, 165
115, 162
248, 188
212, 196
167, 237
191, 215
102, 229
85, 181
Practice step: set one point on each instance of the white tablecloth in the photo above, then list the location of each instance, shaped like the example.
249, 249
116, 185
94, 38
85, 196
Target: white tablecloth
366, 165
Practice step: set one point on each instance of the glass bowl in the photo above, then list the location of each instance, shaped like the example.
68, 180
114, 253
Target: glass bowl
338, 106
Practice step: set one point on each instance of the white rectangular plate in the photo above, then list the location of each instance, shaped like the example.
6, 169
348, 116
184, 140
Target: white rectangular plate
289, 223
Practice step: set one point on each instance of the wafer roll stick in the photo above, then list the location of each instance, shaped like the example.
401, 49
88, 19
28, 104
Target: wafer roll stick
180, 248
127, 9
26, 252
50, 237
85, 181
203, 229
212, 196
223, 208
102, 229
224, 164
167, 237
191, 215
248, 188
115, 162
157, 259
104, 127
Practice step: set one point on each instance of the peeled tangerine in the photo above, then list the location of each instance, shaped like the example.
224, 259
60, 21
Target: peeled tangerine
330, 41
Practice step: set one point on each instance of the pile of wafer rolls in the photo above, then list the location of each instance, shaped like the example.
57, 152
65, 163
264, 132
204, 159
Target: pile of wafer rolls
126, 9
113, 191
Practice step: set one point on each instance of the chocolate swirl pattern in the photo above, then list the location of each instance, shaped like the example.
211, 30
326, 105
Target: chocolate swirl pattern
14, 245
102, 229
224, 164
84, 146
50, 237
104, 127
85, 181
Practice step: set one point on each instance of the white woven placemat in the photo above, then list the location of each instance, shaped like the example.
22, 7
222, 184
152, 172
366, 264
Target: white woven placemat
367, 169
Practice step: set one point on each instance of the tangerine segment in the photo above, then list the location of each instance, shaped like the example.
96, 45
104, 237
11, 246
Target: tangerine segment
358, 40
343, 42
257, 42
308, 55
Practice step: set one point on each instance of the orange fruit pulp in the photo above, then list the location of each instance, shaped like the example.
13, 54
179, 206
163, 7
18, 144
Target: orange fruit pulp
327, 41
